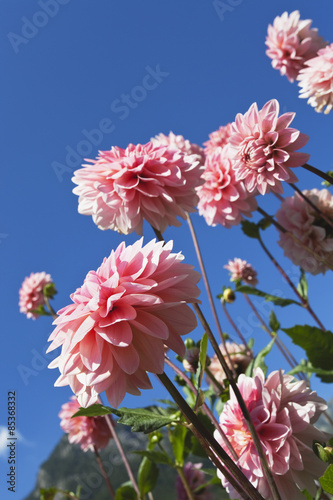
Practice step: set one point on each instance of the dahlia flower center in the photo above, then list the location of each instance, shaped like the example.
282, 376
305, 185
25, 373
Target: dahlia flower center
240, 439
254, 154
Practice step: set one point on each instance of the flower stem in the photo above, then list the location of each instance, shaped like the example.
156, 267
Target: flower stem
318, 172
297, 241
208, 290
185, 483
232, 472
267, 472
312, 205
205, 408
50, 308
239, 333
104, 474
305, 302
122, 453
282, 348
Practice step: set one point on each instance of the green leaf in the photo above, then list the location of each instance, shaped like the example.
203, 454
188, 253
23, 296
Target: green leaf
159, 457
307, 495
259, 360
278, 301
93, 411
317, 344
40, 311
306, 367
326, 183
49, 290
265, 223
126, 492
273, 322
302, 286
177, 440
250, 229
146, 419
326, 481
323, 452
48, 493
147, 476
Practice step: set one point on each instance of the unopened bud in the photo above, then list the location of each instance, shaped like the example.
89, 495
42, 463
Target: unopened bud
229, 296
191, 359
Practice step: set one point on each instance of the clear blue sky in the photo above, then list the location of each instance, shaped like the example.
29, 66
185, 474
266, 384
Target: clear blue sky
67, 77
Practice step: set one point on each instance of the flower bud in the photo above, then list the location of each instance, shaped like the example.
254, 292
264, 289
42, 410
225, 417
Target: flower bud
229, 296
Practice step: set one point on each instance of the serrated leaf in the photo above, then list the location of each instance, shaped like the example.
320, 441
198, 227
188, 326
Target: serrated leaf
317, 344
278, 301
126, 492
250, 229
259, 360
158, 457
273, 322
147, 476
95, 410
302, 286
145, 420
326, 481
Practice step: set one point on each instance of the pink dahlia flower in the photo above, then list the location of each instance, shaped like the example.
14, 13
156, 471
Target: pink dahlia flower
301, 220
195, 478
124, 186
283, 412
243, 271
222, 198
31, 293
85, 431
291, 42
239, 357
121, 319
264, 148
179, 143
218, 139
316, 80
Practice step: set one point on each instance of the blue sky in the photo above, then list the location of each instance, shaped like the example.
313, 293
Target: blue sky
70, 75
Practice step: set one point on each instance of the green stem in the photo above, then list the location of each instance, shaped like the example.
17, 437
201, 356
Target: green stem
239, 333
318, 172
282, 348
297, 241
122, 453
232, 472
104, 474
305, 302
312, 205
267, 472
50, 308
185, 483
205, 408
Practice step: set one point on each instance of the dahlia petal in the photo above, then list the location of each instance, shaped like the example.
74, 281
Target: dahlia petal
127, 358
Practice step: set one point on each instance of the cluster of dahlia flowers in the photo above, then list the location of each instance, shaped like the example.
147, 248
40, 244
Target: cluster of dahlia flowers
301, 54
88, 432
